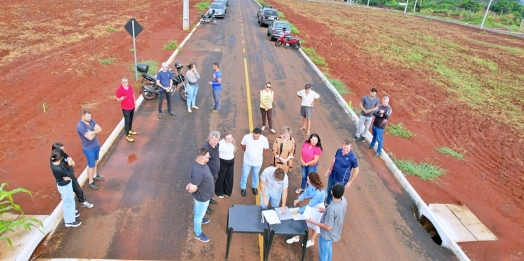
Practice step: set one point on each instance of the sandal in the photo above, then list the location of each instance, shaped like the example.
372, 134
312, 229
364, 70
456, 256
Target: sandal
298, 191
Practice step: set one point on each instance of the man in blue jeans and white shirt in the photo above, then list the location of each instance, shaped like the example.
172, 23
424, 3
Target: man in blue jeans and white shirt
165, 85
368, 104
331, 223
253, 144
216, 84
202, 187
88, 131
382, 115
344, 169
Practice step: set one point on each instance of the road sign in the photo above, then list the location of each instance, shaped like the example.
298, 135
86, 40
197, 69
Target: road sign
129, 27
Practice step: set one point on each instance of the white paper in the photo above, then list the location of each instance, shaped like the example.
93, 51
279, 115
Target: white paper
286, 215
271, 217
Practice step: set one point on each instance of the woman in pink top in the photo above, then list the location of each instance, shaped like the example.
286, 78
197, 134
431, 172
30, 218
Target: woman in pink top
309, 156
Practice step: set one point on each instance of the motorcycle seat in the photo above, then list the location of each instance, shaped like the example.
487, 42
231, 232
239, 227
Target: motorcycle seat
149, 77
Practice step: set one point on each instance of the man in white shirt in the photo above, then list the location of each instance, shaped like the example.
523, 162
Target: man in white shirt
309, 98
254, 144
273, 187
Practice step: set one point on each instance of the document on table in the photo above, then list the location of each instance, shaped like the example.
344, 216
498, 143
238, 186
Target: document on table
271, 217
286, 215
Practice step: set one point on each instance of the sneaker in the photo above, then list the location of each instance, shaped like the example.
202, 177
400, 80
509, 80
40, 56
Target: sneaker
86, 204
172, 113
216, 110
93, 185
355, 138
77, 214
212, 108
132, 132
206, 220
160, 115
263, 128
227, 196
376, 154
292, 240
128, 138
273, 131
221, 196
202, 238
73, 224
309, 243
189, 110
97, 177
363, 139
194, 107
370, 147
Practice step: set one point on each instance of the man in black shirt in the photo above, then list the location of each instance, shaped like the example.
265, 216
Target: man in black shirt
382, 115
202, 188
214, 162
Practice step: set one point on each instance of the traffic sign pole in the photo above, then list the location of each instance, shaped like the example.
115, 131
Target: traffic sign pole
134, 49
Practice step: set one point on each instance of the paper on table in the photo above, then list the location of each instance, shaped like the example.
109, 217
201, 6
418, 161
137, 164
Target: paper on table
297, 216
286, 215
271, 217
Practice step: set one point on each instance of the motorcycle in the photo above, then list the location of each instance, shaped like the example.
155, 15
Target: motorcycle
150, 87
179, 79
294, 42
208, 18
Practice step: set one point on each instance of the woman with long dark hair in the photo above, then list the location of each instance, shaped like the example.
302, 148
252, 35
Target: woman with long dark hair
309, 156
316, 194
62, 176
226, 153
70, 163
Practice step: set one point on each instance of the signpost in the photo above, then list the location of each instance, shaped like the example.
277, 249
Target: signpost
134, 29
185, 11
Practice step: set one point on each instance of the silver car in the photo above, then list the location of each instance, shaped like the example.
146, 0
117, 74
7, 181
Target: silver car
220, 9
274, 30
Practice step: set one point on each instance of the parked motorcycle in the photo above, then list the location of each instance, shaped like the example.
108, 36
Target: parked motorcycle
208, 18
287, 39
179, 79
150, 87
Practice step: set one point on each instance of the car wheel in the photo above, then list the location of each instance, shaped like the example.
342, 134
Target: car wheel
268, 34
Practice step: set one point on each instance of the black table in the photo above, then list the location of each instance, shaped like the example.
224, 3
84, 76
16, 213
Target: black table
246, 219
288, 227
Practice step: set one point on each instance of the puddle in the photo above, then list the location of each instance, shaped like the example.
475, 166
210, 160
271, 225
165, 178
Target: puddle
131, 158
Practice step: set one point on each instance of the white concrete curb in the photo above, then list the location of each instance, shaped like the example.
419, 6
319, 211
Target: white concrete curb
422, 207
51, 222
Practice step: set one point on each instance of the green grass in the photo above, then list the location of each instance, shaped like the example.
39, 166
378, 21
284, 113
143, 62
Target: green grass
294, 29
451, 152
261, 2
415, 57
423, 170
112, 29
172, 45
281, 15
106, 61
399, 130
339, 86
314, 56
204, 5
153, 66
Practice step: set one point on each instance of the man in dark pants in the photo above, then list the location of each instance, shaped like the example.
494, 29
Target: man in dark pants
214, 161
165, 84
126, 97
344, 169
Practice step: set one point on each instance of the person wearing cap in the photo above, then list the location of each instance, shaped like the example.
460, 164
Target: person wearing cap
164, 82
382, 115
309, 98
192, 77
368, 104
266, 107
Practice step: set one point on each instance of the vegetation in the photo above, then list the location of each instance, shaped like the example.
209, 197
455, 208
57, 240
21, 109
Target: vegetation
172, 45
107, 61
399, 130
204, 5
339, 85
294, 29
112, 29
315, 58
153, 66
7, 205
422, 169
451, 152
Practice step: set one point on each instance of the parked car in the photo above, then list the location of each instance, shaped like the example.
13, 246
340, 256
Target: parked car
220, 9
262, 8
274, 30
266, 16
224, 2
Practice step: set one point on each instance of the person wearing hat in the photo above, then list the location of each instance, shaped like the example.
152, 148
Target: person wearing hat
368, 104
164, 82
309, 98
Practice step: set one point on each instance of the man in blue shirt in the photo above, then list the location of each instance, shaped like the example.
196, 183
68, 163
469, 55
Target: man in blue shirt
344, 169
88, 131
216, 84
164, 82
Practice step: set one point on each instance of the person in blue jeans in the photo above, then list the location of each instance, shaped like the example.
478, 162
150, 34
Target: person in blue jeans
216, 84
202, 188
344, 169
253, 144
62, 174
331, 223
309, 157
382, 115
273, 188
192, 77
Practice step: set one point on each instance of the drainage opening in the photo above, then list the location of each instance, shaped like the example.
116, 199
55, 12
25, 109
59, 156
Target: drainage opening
432, 231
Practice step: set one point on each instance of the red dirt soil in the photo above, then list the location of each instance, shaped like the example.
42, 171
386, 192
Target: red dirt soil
491, 179
49, 54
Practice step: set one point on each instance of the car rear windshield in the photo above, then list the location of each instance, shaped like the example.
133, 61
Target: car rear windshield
270, 13
282, 25
216, 6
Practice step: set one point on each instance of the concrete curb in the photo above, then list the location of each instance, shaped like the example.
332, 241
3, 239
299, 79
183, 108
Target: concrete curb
51, 222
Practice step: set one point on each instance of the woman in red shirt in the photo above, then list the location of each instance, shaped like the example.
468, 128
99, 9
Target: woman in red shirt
309, 156
126, 97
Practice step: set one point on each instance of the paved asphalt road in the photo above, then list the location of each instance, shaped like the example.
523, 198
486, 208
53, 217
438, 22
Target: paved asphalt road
142, 210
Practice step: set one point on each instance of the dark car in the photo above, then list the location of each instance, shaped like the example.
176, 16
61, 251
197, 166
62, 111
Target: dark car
274, 30
266, 16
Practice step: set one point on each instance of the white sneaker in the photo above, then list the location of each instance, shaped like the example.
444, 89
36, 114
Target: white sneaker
189, 110
309, 243
292, 240
263, 128
194, 107
86, 204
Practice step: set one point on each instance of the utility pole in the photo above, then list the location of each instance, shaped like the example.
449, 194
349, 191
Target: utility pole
486, 14
185, 23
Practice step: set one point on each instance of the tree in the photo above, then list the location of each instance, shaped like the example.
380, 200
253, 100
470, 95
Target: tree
502, 7
471, 6
7, 204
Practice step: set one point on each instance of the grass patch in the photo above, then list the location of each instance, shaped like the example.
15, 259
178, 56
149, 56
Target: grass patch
112, 29
423, 170
281, 15
153, 66
204, 5
339, 85
451, 152
172, 45
399, 130
261, 2
314, 56
415, 57
107, 61
294, 29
